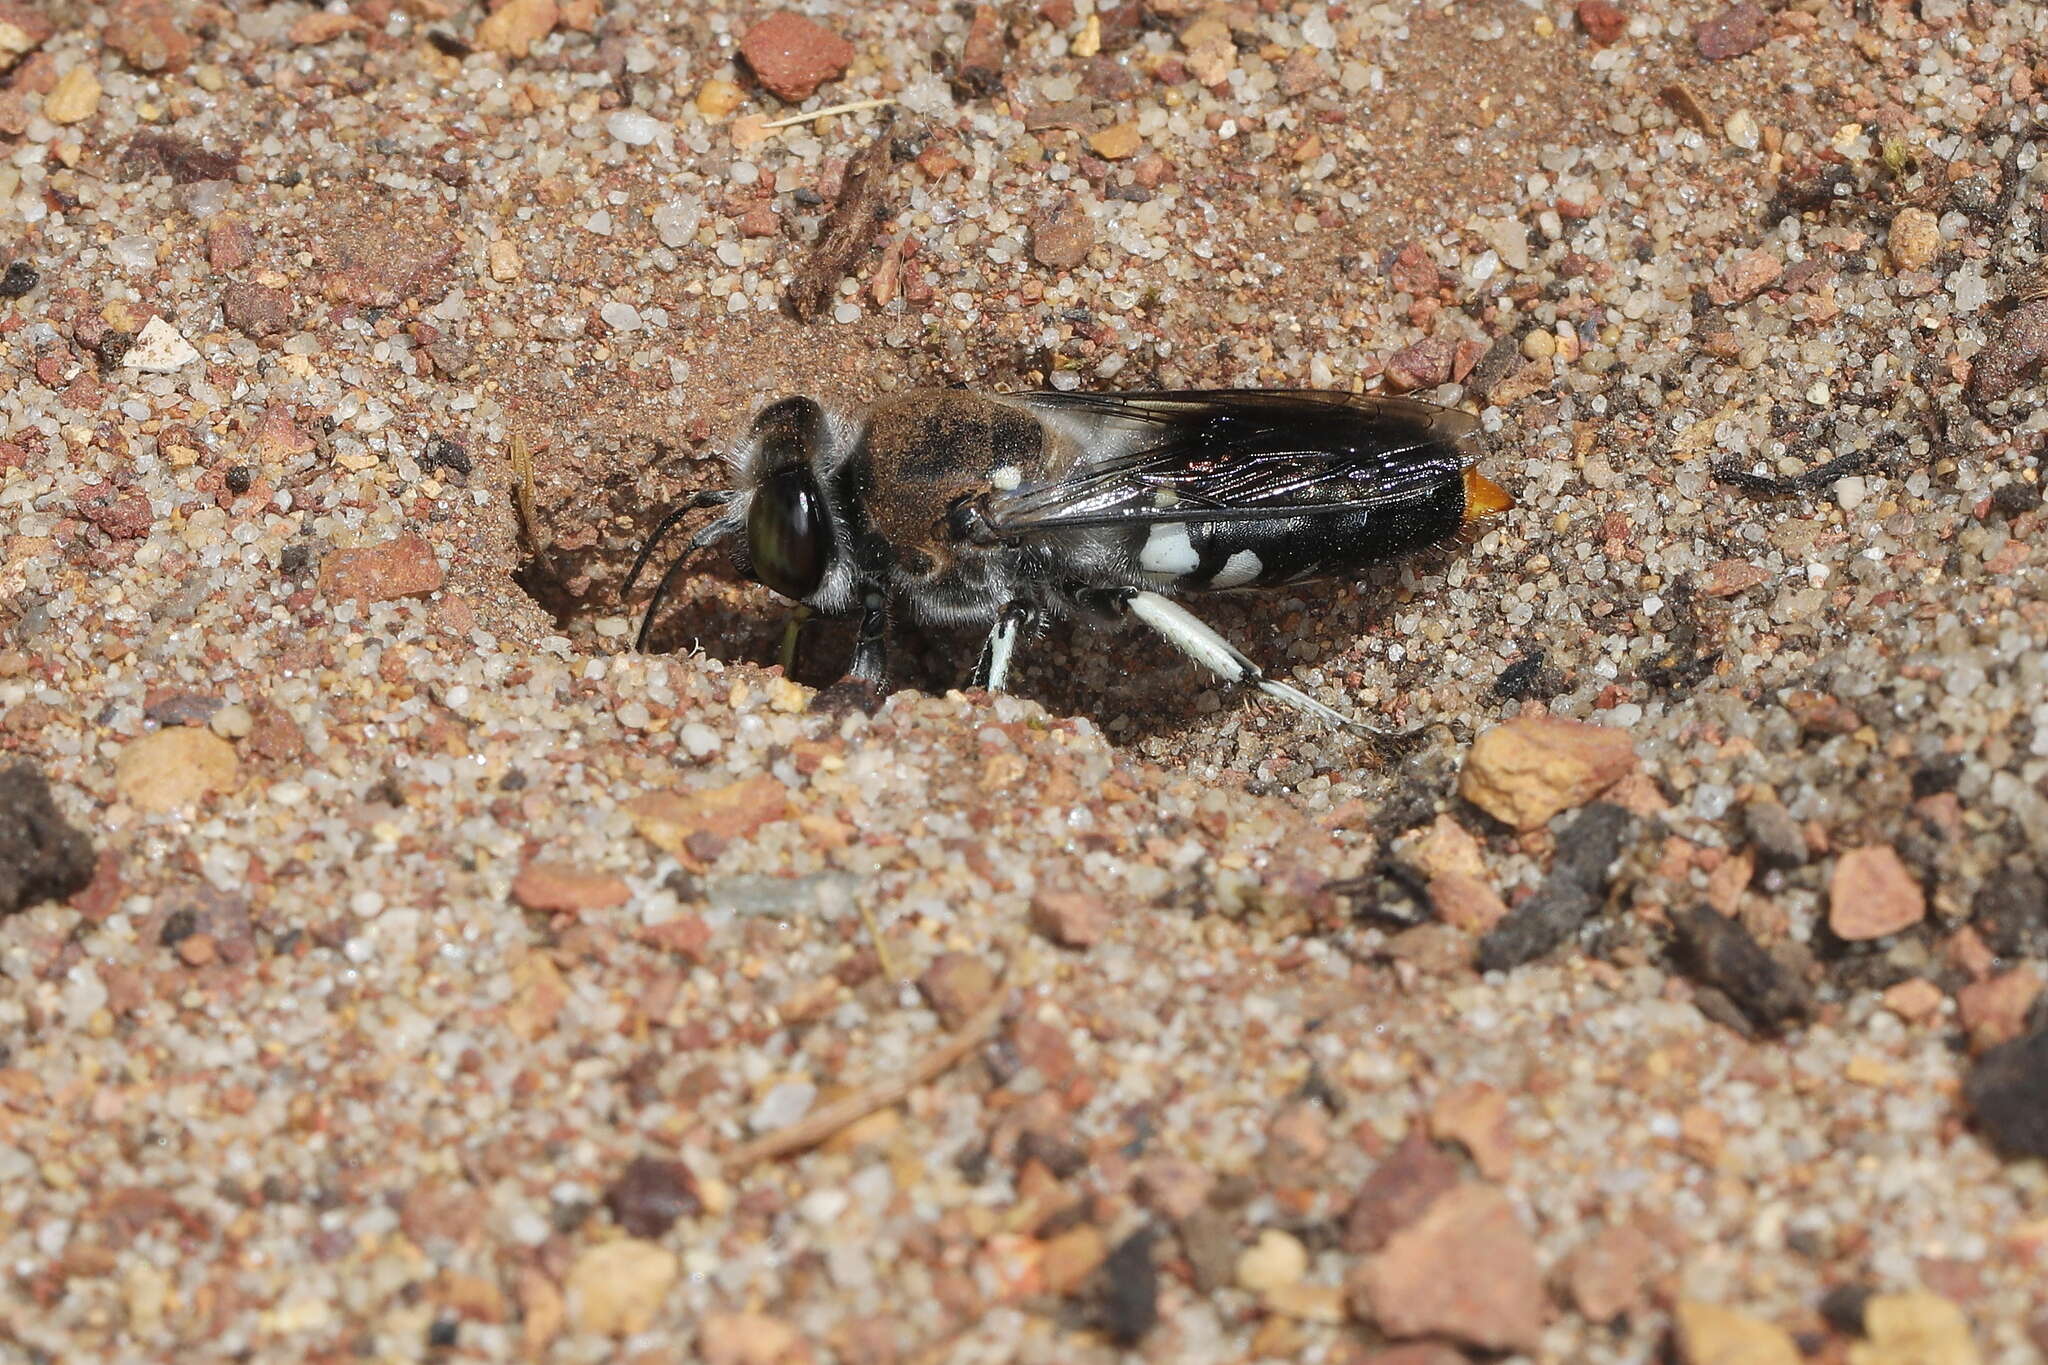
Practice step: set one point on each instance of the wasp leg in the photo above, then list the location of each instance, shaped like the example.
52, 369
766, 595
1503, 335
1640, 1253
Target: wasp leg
790, 631
871, 650
865, 686
992, 672
1185, 631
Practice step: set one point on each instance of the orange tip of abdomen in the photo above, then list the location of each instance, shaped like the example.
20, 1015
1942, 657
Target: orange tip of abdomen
1484, 497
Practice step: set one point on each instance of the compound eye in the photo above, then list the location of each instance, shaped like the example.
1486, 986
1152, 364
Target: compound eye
788, 537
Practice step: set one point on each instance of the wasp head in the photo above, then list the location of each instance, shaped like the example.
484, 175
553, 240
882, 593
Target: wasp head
789, 541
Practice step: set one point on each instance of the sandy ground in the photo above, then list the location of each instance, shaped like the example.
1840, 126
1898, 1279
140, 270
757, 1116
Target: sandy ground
402, 968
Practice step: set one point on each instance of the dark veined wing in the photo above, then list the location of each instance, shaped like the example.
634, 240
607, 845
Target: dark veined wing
1234, 455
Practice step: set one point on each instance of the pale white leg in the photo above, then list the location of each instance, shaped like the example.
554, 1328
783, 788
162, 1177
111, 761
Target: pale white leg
1002, 644
1185, 631
993, 671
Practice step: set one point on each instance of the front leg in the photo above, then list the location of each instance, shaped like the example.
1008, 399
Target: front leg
865, 686
871, 650
992, 671
792, 630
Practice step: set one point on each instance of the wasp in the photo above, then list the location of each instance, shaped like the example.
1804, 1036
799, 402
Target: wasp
1007, 510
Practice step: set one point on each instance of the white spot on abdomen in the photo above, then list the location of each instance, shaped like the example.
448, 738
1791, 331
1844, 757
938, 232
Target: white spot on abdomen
1239, 569
1005, 477
1168, 550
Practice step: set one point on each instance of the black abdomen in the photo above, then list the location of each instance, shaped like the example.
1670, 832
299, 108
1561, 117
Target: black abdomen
1211, 555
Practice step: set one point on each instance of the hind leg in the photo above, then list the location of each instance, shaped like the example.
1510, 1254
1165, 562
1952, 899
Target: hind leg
1187, 633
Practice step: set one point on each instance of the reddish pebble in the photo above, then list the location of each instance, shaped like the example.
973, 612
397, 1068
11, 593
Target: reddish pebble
1475, 1116
1736, 30
402, 567
980, 69
1726, 577
1602, 21
793, 56
1524, 772
1151, 171
1072, 919
1398, 1192
1743, 278
124, 516
256, 310
147, 35
1465, 903
1605, 1276
686, 935
1822, 713
1063, 237
273, 733
1424, 365
1872, 895
564, 888
1995, 1010
1413, 272
696, 825
1466, 1270
1914, 999
956, 985
230, 243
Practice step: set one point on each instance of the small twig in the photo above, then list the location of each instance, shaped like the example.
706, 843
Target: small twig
522, 493
882, 959
850, 107
813, 1129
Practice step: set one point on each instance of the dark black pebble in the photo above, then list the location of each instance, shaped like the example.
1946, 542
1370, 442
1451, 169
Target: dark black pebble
2015, 499
1527, 679
442, 453
1843, 1307
179, 925
651, 1194
2007, 1094
1123, 1294
1774, 834
1569, 896
2010, 912
112, 348
183, 708
1720, 952
42, 857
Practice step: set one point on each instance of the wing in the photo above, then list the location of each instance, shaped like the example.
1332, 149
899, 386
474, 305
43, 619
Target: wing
1234, 455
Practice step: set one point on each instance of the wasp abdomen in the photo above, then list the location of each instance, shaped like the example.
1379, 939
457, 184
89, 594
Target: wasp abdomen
1215, 555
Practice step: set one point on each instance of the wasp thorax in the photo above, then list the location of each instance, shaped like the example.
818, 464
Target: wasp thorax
788, 536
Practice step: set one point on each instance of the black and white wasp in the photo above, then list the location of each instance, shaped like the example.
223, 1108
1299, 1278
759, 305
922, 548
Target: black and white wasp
1004, 510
